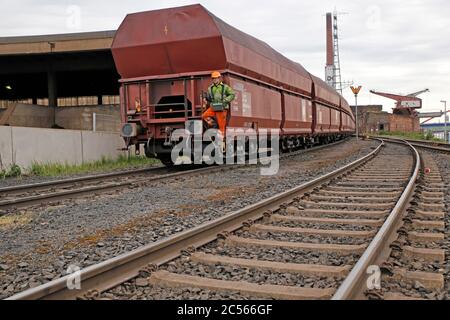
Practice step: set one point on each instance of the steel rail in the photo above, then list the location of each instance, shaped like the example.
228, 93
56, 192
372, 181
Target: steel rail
438, 143
110, 273
54, 183
354, 283
23, 201
436, 146
30, 200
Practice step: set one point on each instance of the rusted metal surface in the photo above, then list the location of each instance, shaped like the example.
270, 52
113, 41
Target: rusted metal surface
191, 39
249, 109
298, 114
165, 58
324, 93
347, 117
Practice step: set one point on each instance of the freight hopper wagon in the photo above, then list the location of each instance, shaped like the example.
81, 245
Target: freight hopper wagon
165, 58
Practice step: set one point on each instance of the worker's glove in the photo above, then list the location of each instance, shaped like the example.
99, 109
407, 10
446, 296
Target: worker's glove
206, 97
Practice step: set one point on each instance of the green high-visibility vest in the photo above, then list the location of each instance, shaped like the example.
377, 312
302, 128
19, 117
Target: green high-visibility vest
221, 93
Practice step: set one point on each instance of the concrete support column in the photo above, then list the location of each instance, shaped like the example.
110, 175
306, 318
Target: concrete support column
52, 94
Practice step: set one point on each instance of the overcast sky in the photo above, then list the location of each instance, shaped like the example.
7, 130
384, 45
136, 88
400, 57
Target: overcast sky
399, 46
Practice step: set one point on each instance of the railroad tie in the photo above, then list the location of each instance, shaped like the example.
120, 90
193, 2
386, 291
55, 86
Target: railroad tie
426, 254
429, 280
325, 196
328, 247
382, 206
311, 231
430, 224
355, 213
395, 296
368, 194
426, 236
281, 267
360, 222
168, 279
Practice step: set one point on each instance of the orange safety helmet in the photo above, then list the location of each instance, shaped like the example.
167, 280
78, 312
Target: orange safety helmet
215, 74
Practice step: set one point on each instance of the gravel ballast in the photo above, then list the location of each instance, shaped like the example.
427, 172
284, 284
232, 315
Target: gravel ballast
39, 244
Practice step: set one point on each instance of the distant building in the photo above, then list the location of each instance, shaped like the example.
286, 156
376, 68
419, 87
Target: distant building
372, 119
437, 129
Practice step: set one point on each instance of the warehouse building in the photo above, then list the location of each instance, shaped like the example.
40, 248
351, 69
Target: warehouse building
61, 72
373, 119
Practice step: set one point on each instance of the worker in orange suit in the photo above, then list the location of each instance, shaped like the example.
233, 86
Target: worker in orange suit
219, 97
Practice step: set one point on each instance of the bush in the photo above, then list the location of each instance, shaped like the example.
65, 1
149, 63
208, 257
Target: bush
410, 135
14, 171
429, 135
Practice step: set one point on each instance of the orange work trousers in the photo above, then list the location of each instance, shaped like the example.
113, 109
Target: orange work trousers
221, 118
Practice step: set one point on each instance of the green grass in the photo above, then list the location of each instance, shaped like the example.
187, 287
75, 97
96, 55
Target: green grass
105, 164
411, 135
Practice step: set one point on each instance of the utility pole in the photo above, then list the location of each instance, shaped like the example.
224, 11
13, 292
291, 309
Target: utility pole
356, 91
445, 120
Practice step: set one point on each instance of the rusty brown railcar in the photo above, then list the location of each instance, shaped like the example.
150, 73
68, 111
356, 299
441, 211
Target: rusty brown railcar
165, 58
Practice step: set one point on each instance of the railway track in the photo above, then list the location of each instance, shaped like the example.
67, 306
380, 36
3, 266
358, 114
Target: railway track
418, 261
20, 196
47, 192
315, 241
429, 145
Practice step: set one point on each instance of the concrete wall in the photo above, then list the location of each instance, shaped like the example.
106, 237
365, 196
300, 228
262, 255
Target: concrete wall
80, 118
6, 149
27, 115
23, 146
75, 118
98, 144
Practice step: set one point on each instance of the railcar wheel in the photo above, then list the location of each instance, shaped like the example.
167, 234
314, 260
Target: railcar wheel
166, 160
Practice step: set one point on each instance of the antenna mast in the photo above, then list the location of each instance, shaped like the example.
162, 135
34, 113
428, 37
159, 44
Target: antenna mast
337, 62
333, 75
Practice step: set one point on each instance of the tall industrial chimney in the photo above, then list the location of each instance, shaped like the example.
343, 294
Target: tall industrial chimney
329, 68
